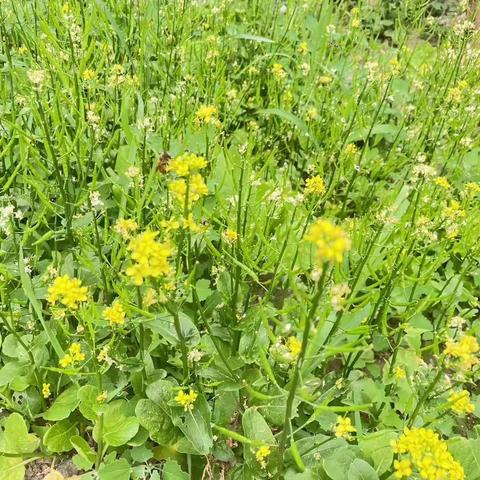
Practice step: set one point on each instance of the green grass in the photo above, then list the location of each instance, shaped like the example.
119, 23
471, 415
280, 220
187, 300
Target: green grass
276, 346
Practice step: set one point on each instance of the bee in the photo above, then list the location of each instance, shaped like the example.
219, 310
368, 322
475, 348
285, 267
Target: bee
162, 164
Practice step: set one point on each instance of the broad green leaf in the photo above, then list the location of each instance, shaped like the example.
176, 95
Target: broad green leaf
57, 438
117, 470
118, 428
377, 447
12, 468
83, 448
14, 438
63, 405
156, 421
467, 453
89, 405
172, 471
338, 464
361, 470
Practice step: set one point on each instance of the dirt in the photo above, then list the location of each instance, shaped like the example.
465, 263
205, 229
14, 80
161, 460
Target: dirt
38, 469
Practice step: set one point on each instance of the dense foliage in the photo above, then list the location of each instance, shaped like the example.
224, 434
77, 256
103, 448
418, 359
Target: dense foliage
239, 239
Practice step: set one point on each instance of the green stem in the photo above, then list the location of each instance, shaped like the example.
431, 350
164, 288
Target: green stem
296, 374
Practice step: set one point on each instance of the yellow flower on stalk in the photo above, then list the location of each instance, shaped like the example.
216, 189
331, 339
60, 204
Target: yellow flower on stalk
46, 390
427, 454
186, 400
403, 468
185, 164
325, 79
230, 235
278, 71
302, 48
74, 355
150, 257
351, 150
88, 74
344, 428
261, 455
315, 185
206, 114
472, 188
331, 241
197, 188
170, 225
294, 347
125, 227
68, 291
399, 373
443, 183
464, 350
461, 402
115, 314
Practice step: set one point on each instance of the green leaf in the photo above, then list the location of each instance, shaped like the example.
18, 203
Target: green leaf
172, 471
195, 425
57, 438
89, 406
361, 470
253, 38
12, 468
255, 428
63, 405
338, 464
467, 453
118, 429
14, 438
377, 447
157, 421
117, 470
83, 448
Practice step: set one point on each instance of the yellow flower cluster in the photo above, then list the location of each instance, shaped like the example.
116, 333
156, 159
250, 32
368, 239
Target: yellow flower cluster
115, 314
294, 346
315, 185
185, 164
344, 428
278, 71
68, 291
231, 236
331, 241
443, 183
46, 390
125, 227
461, 402
428, 454
150, 257
261, 455
206, 114
465, 350
399, 373
74, 355
197, 188
186, 400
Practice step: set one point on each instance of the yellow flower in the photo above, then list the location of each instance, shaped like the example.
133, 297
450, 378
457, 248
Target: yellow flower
206, 114
399, 373
351, 150
403, 468
472, 188
315, 185
102, 397
22, 50
115, 314
312, 113
68, 291
185, 164
464, 350
294, 346
324, 79
454, 211
331, 241
186, 400
356, 22
46, 390
150, 257
190, 224
88, 74
125, 227
303, 48
230, 235
426, 453
344, 428
461, 402
442, 182
261, 455
197, 188
74, 355
278, 71
170, 225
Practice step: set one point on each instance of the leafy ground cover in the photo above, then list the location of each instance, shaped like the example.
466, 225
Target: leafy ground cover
239, 240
